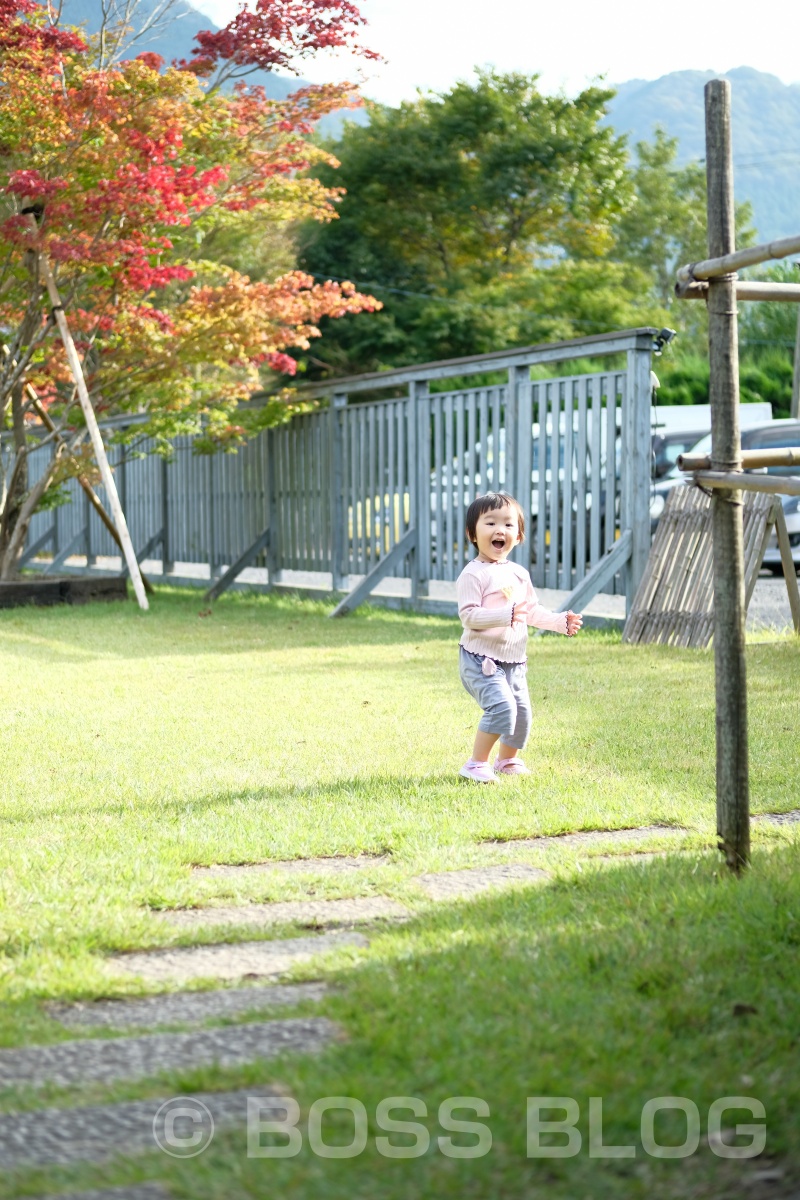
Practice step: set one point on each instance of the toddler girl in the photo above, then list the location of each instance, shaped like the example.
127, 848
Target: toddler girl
496, 604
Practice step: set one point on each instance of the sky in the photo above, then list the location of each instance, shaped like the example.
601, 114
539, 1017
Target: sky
430, 44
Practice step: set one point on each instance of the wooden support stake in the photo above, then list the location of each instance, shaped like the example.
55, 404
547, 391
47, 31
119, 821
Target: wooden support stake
733, 801
94, 430
787, 562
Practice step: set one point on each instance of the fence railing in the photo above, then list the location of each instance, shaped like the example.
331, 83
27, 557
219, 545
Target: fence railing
339, 490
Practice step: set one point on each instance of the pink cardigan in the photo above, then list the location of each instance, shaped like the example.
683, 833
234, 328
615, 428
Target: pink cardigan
486, 592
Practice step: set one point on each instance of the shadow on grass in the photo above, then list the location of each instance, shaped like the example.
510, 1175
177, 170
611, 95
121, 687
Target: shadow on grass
627, 985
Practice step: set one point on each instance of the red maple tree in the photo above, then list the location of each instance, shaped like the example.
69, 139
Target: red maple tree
118, 175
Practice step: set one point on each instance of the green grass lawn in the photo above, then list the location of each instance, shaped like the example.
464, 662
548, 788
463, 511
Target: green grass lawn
136, 745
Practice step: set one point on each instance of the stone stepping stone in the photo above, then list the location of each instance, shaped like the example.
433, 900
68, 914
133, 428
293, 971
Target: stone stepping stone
328, 913
142, 1191
589, 837
782, 818
455, 885
230, 960
342, 864
52, 1136
187, 1008
105, 1060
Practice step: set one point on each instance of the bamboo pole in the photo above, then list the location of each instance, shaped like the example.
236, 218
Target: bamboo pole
789, 485
734, 260
94, 431
787, 456
733, 802
698, 290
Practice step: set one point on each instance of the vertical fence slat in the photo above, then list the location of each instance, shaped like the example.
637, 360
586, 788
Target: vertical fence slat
581, 492
566, 507
460, 485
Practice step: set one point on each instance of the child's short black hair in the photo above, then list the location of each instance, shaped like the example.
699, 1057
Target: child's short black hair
488, 503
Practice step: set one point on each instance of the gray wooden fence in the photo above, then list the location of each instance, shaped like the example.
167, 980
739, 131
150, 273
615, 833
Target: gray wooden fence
364, 485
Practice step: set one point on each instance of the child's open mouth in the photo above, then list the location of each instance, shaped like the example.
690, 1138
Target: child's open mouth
499, 543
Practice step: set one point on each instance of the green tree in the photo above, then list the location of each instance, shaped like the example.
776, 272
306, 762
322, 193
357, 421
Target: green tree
665, 225
459, 208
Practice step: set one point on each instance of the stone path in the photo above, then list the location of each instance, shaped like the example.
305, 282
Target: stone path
106, 1060
328, 913
455, 885
182, 1008
589, 837
229, 961
144, 1191
342, 863
785, 818
98, 1133
60, 1136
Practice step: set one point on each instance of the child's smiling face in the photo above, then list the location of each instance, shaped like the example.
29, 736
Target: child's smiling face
497, 533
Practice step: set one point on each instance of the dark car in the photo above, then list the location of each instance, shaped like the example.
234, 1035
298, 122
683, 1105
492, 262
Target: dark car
776, 434
667, 446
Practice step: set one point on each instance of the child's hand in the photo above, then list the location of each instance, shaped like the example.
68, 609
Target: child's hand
574, 622
521, 612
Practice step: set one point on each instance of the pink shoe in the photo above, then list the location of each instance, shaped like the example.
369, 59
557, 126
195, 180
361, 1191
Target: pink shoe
480, 772
511, 766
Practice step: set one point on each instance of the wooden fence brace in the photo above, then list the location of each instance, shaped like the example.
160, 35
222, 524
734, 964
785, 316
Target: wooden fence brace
146, 550
601, 573
65, 551
91, 422
698, 290
382, 568
733, 801
244, 560
38, 545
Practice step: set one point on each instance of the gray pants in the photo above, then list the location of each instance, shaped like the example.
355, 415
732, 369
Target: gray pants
503, 697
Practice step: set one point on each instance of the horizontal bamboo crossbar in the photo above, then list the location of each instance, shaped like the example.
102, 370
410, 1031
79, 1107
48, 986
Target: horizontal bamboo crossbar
789, 486
751, 459
698, 290
712, 268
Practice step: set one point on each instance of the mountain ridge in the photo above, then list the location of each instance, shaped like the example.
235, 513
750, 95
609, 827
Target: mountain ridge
765, 114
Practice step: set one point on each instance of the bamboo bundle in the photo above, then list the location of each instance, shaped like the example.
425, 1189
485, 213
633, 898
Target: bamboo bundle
674, 604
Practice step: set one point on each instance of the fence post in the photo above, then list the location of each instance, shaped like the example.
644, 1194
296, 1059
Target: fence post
519, 452
167, 564
91, 559
635, 497
339, 538
421, 466
274, 543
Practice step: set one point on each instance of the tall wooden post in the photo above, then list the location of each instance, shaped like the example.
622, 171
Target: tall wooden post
733, 809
